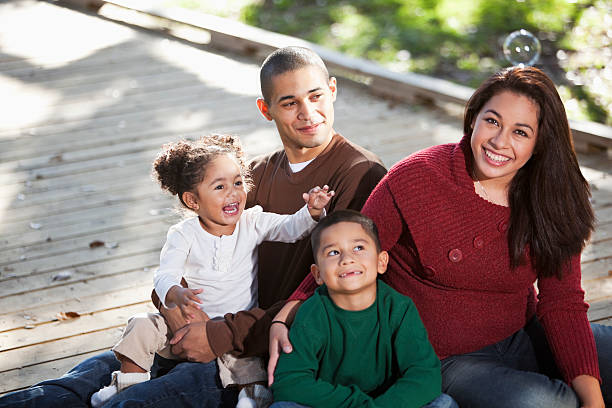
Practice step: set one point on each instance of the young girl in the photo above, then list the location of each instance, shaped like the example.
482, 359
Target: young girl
214, 255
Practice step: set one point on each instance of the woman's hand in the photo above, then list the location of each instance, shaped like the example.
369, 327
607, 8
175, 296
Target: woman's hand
589, 391
279, 337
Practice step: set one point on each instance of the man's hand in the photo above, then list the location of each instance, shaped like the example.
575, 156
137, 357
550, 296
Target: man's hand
191, 343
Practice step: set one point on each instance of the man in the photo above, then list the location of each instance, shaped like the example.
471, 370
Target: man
298, 95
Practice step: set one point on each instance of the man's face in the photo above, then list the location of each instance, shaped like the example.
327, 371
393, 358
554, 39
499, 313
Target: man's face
302, 106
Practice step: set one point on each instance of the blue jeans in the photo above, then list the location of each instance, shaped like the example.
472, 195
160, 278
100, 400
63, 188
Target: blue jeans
520, 372
443, 401
184, 385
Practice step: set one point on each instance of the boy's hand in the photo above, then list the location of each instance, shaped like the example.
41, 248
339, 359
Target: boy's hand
279, 336
186, 299
279, 341
316, 199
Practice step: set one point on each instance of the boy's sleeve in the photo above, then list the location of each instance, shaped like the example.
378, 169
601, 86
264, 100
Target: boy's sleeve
420, 380
295, 378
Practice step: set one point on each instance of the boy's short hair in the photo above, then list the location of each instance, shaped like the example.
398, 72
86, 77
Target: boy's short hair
339, 216
285, 60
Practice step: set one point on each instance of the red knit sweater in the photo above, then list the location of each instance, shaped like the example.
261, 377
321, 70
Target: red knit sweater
449, 252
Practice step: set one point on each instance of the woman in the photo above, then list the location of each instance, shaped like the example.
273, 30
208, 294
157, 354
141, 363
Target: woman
471, 226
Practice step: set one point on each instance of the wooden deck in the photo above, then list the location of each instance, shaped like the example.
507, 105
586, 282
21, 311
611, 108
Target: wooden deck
87, 102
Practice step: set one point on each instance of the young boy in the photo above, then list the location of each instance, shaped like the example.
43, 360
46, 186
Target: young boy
356, 341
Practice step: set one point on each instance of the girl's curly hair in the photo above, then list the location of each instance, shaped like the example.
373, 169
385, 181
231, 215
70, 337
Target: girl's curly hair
180, 166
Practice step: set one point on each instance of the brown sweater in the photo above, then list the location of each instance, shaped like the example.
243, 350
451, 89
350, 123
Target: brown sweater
352, 172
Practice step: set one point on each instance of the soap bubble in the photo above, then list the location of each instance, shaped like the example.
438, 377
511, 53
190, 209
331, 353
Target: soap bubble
522, 48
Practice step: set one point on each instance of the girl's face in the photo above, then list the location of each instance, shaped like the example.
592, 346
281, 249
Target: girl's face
504, 136
221, 196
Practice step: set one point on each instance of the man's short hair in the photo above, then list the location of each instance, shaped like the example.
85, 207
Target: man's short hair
343, 216
285, 60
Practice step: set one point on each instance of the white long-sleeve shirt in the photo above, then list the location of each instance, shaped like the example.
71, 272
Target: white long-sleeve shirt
224, 267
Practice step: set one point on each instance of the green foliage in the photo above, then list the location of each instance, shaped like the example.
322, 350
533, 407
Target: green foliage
459, 40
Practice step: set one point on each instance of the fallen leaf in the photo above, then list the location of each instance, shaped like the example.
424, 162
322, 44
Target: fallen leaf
96, 244
67, 315
57, 158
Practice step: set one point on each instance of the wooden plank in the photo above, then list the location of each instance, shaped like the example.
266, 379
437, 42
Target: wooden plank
55, 350
85, 256
600, 268
18, 379
600, 310
597, 251
118, 234
153, 206
156, 116
92, 297
62, 207
101, 221
597, 289
86, 281
94, 322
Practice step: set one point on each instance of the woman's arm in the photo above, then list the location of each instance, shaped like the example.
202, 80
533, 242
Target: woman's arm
562, 312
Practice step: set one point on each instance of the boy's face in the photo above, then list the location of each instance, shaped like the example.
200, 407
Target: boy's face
302, 106
348, 262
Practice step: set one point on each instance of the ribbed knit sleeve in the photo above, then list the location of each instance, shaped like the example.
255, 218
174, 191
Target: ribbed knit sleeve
382, 209
562, 312
305, 290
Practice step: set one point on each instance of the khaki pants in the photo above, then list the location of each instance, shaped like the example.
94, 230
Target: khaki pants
147, 334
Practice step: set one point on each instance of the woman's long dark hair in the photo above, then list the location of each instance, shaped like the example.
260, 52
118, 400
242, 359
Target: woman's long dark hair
550, 214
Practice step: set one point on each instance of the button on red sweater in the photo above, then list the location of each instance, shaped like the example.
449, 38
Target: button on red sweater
449, 252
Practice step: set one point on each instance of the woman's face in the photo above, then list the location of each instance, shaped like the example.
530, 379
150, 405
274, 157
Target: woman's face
504, 136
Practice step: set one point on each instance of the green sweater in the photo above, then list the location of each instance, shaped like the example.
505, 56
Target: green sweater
377, 357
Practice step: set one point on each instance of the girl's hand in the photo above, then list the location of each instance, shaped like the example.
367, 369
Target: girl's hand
186, 300
316, 199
